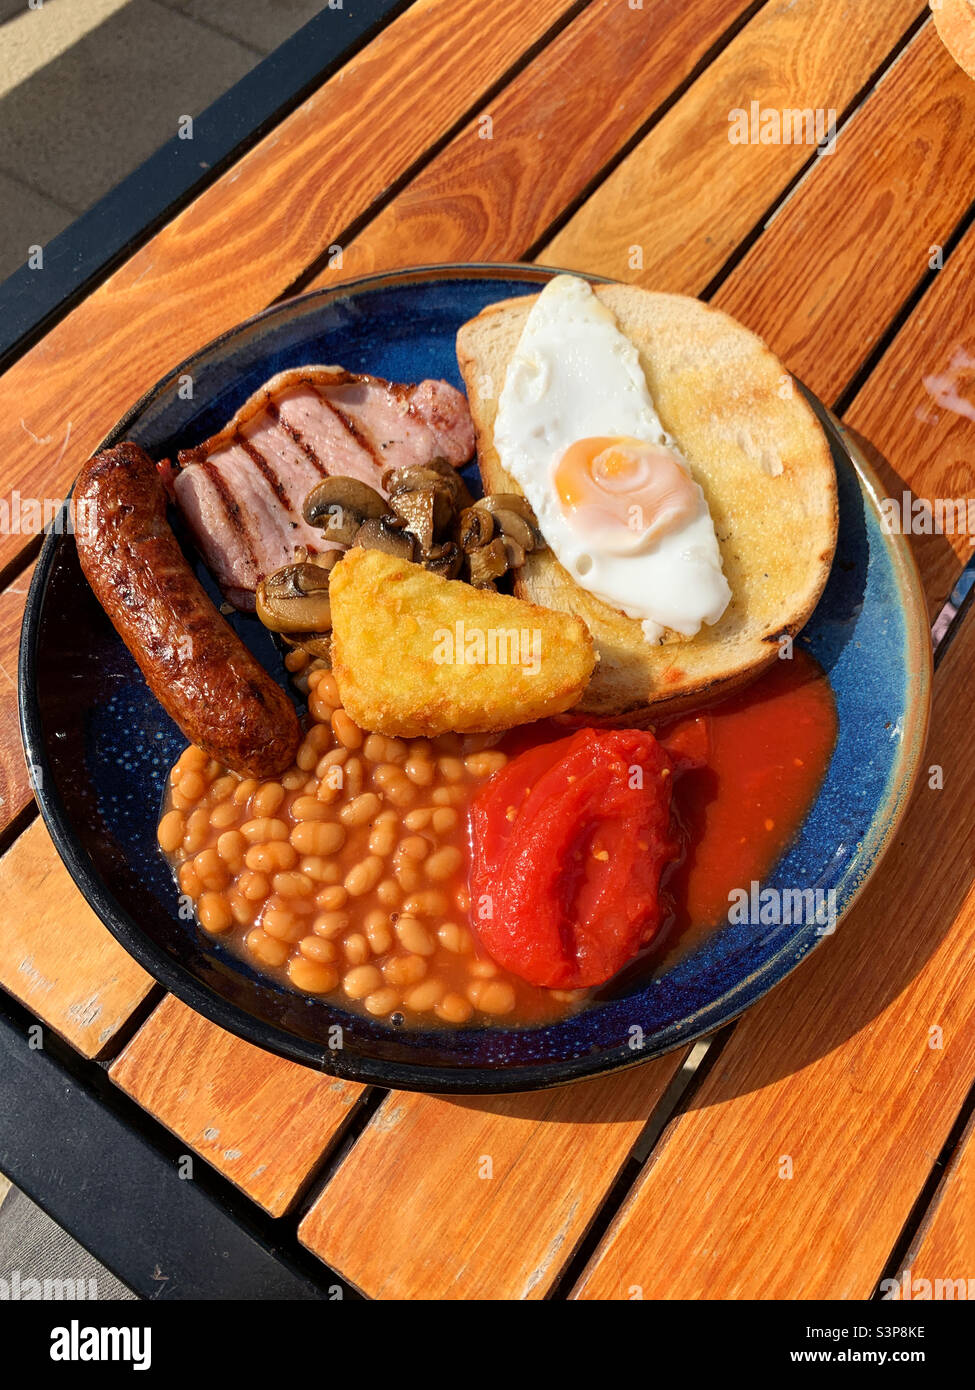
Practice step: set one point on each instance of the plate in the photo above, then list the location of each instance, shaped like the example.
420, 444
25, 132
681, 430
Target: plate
100, 746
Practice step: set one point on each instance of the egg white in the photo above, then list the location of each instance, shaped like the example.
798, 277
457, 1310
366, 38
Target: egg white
574, 375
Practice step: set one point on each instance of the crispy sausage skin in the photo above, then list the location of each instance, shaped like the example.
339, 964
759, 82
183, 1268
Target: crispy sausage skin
195, 664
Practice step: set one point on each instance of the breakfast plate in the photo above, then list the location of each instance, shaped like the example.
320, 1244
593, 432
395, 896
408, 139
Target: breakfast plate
100, 746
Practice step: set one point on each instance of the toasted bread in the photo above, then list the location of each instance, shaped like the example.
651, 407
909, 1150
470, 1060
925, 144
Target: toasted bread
762, 460
415, 654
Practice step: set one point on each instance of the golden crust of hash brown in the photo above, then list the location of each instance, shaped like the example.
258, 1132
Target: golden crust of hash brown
395, 650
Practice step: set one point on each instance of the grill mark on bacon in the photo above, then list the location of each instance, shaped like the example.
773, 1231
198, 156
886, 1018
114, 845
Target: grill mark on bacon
232, 510
351, 427
298, 438
265, 469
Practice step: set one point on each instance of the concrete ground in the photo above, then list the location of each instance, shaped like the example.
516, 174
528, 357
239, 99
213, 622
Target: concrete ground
91, 88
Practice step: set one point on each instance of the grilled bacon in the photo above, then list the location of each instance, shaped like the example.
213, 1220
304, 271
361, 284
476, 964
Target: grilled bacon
241, 491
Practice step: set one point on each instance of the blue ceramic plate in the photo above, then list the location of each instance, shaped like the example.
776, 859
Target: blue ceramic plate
101, 745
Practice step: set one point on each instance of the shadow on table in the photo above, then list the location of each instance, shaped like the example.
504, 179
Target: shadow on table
898, 923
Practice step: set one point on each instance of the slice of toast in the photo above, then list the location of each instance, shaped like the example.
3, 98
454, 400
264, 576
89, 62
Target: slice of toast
762, 460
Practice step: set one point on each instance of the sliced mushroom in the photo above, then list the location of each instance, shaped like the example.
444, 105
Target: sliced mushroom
340, 505
504, 506
514, 553
514, 527
424, 512
475, 528
314, 643
295, 599
445, 560
388, 534
488, 563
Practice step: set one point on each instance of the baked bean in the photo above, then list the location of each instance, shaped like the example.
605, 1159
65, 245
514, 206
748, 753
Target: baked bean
453, 1008
192, 759
326, 686
443, 819
413, 847
363, 877
419, 770
381, 1001
431, 903
419, 819
492, 996
374, 749
282, 924
378, 932
263, 828
222, 789
443, 863
292, 885
293, 779
345, 729
318, 836
197, 831
188, 881
408, 876
424, 995
214, 913
401, 792
404, 970
450, 769
361, 980
385, 775
170, 832
266, 801
312, 976
454, 938
482, 968
296, 660
317, 948
231, 846
414, 936
360, 810
389, 892
333, 898
485, 764
355, 777
211, 870
463, 900
329, 924
225, 815
245, 790
244, 911
272, 857
448, 796
382, 838
254, 886
267, 949
319, 708
191, 786
318, 869
356, 948
309, 808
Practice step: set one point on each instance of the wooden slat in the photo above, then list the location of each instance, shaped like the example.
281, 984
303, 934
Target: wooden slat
262, 1121
467, 1199
686, 196
15, 788
945, 1246
858, 233
587, 93
56, 956
839, 1073
915, 442
248, 237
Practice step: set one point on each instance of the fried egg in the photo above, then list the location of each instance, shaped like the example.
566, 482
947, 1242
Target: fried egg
615, 500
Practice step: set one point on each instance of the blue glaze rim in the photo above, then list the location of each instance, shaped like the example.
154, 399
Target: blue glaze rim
587, 1060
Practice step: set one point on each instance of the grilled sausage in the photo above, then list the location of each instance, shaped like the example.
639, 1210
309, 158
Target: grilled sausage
195, 664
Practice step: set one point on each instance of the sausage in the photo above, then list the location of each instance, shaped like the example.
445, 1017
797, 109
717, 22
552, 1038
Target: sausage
195, 664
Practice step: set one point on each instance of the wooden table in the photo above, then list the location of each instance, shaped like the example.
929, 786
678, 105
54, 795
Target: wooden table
821, 1143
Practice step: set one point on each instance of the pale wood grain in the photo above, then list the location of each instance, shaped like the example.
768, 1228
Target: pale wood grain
262, 1121
686, 196
826, 276
247, 237
447, 1199
838, 1071
495, 190
945, 1244
56, 956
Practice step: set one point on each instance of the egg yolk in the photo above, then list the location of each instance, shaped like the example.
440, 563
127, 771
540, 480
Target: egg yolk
625, 491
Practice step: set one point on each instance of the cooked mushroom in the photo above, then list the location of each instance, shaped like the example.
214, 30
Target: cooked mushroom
514, 527
415, 476
475, 528
295, 599
445, 559
514, 516
315, 644
514, 553
386, 533
340, 505
425, 512
488, 563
